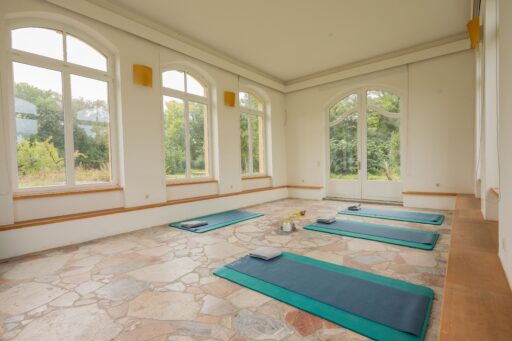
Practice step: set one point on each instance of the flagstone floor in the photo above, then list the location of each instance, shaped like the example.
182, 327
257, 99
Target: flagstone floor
157, 284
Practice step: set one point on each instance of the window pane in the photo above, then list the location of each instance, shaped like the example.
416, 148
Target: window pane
41, 41
385, 100
343, 149
174, 138
257, 143
198, 126
39, 126
83, 54
346, 104
91, 130
250, 101
174, 80
194, 87
244, 139
383, 147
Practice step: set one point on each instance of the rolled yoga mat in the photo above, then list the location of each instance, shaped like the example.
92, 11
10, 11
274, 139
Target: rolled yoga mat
413, 217
218, 220
419, 239
378, 307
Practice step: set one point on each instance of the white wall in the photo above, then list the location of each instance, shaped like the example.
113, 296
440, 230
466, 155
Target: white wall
489, 177
6, 204
27, 240
440, 102
505, 136
440, 126
140, 125
439, 139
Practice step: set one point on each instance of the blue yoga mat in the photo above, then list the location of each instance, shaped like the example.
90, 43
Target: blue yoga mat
414, 217
218, 220
376, 306
388, 234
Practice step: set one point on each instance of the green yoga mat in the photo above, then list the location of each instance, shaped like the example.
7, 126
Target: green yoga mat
344, 318
218, 220
412, 217
419, 239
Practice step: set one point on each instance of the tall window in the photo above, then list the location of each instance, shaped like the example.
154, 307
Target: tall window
252, 134
62, 89
383, 135
186, 138
343, 138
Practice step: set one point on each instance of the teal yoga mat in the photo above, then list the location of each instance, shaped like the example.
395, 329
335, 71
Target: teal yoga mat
413, 217
419, 239
218, 220
370, 295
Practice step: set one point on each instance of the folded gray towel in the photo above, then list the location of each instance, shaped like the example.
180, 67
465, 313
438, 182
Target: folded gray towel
266, 253
193, 223
326, 220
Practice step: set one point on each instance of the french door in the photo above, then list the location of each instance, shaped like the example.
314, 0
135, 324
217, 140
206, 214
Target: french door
364, 146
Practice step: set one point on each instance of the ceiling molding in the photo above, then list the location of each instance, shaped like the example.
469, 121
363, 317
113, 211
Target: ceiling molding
395, 59
168, 39
138, 26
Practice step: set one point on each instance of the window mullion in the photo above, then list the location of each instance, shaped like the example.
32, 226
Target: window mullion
249, 137
65, 46
69, 149
187, 140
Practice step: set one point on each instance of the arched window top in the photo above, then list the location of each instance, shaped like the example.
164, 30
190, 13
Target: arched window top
383, 100
58, 45
184, 82
343, 107
250, 101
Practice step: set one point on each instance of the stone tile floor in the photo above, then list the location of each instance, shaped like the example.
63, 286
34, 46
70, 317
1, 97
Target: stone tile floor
157, 284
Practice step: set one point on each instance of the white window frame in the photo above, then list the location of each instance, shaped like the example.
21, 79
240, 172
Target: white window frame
262, 114
186, 97
66, 69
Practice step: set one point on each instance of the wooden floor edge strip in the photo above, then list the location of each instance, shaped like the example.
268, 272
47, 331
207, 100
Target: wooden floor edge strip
463, 291
92, 214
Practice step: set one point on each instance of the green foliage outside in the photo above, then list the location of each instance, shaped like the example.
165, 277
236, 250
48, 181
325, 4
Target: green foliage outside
383, 139
174, 142
41, 153
248, 100
244, 140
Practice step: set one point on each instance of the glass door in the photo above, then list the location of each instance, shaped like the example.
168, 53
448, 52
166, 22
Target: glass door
364, 146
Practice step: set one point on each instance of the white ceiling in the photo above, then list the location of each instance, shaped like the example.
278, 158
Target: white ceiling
290, 39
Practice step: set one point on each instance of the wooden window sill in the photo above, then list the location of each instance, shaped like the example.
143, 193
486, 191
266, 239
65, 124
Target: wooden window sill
22, 196
255, 177
186, 183
447, 194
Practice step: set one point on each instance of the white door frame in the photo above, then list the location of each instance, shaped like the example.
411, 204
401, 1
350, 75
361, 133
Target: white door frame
363, 189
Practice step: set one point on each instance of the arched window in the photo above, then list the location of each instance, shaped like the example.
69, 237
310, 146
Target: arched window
343, 138
63, 110
186, 137
252, 134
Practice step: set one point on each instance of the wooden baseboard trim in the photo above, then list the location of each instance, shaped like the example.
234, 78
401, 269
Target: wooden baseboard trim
444, 194
76, 216
23, 196
305, 187
186, 183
